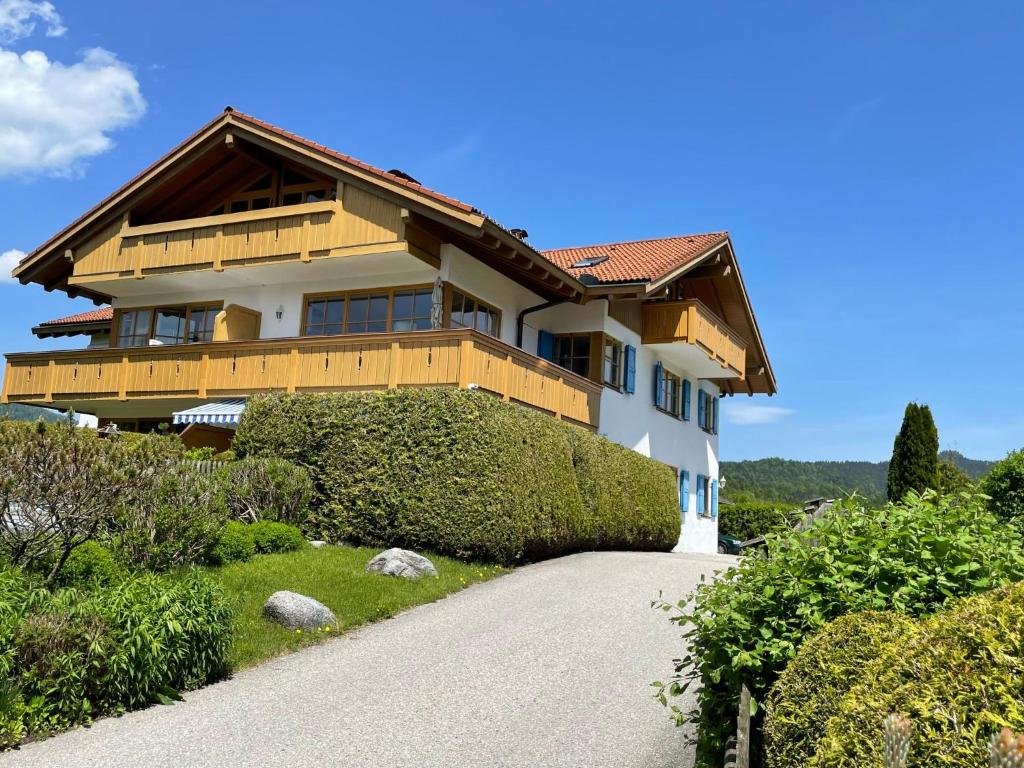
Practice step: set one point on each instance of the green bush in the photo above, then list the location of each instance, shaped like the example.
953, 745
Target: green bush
235, 544
810, 689
267, 489
73, 655
453, 471
270, 537
1005, 485
90, 562
629, 501
959, 679
749, 520
908, 557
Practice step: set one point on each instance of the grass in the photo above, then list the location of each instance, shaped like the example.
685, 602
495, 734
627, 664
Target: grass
337, 577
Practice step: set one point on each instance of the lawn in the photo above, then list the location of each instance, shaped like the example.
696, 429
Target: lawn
337, 577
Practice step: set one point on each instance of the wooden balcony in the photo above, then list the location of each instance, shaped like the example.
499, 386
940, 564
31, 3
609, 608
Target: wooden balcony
691, 322
358, 223
461, 358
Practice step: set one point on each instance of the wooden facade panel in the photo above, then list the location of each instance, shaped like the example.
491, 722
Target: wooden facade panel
368, 218
101, 254
319, 364
691, 322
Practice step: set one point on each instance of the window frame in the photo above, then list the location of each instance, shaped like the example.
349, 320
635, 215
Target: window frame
706, 512
346, 296
674, 406
451, 291
618, 364
559, 337
206, 306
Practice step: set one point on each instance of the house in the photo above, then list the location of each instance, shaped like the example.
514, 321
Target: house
249, 260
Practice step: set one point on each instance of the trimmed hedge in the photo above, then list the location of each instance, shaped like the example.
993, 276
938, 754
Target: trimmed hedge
959, 680
749, 520
461, 473
813, 685
70, 656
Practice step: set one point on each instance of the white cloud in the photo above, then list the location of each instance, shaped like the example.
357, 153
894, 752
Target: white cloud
743, 414
52, 116
18, 19
8, 261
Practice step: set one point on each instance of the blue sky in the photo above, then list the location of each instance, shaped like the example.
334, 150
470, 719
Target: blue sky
867, 160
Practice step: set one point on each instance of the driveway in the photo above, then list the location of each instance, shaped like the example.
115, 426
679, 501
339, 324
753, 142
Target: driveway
548, 666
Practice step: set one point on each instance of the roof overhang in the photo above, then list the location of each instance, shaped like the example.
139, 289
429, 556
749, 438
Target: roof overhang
53, 331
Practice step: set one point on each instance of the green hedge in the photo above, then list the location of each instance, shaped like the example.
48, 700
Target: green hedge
813, 685
73, 655
748, 520
461, 473
959, 679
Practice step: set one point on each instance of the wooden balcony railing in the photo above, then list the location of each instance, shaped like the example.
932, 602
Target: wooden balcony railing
691, 322
461, 358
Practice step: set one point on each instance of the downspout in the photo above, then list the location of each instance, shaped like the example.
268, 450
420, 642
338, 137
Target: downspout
521, 317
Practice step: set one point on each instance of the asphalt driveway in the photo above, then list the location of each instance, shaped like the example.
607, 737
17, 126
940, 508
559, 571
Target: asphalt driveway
548, 666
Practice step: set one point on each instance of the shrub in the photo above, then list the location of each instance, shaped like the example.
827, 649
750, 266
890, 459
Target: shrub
959, 679
1005, 485
629, 501
179, 521
70, 656
235, 544
814, 683
457, 472
269, 537
749, 520
268, 489
952, 479
909, 557
90, 562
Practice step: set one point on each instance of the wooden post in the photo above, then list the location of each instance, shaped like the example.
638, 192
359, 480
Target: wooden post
304, 253
122, 391
506, 378
465, 357
50, 370
743, 729
293, 370
7, 383
204, 372
393, 368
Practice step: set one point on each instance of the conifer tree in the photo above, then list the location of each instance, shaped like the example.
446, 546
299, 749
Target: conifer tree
915, 453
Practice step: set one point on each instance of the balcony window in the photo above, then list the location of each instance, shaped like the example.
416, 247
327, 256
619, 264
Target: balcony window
612, 362
169, 327
470, 312
166, 325
572, 351
325, 317
670, 386
367, 313
200, 323
134, 328
411, 310
402, 309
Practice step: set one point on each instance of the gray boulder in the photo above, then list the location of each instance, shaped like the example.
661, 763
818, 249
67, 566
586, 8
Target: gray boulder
296, 611
401, 562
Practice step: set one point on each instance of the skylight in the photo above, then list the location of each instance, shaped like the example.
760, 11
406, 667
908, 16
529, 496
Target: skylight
590, 261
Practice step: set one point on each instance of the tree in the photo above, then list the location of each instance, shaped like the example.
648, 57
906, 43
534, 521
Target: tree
952, 479
915, 454
1005, 487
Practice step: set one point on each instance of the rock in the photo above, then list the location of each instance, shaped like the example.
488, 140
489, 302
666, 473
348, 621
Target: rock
317, 544
296, 611
401, 562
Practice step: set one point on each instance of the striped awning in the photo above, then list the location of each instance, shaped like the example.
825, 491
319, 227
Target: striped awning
225, 413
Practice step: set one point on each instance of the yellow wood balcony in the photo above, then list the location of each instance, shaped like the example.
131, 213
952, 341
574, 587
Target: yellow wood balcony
691, 322
462, 358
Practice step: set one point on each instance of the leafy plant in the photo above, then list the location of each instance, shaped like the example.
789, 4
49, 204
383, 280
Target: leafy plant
909, 557
1005, 485
951, 479
90, 562
915, 454
268, 489
235, 544
269, 537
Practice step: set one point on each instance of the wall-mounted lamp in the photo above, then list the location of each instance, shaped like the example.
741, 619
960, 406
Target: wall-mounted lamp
280, 312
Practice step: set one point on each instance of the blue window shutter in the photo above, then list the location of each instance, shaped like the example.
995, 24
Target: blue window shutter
714, 498
659, 391
630, 369
700, 495
546, 345
686, 399
701, 408
714, 417
684, 492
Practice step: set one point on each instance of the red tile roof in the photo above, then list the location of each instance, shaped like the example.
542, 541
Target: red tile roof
103, 314
636, 260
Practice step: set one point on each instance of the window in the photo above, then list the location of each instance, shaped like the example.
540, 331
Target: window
167, 325
134, 328
572, 351
403, 309
294, 188
470, 312
669, 388
707, 412
704, 496
612, 362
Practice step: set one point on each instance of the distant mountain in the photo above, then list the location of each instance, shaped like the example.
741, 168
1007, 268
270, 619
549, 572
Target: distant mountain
796, 481
19, 412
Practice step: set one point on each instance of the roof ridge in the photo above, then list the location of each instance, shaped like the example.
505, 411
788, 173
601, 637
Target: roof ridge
630, 242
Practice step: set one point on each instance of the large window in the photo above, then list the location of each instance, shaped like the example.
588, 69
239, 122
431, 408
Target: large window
612, 362
166, 325
470, 312
668, 396
379, 311
572, 351
266, 192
